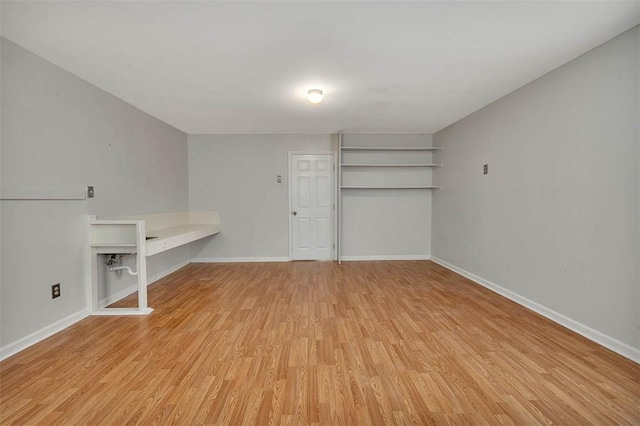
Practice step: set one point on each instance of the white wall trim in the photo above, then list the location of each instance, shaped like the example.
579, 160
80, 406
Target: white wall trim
43, 333
50, 330
117, 296
615, 345
43, 193
132, 289
388, 257
152, 279
239, 259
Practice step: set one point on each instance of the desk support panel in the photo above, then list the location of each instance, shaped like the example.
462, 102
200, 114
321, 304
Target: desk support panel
118, 236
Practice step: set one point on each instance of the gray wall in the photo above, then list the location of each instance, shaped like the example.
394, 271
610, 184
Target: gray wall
556, 220
236, 176
60, 132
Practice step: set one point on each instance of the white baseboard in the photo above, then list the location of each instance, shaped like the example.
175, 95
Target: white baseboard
35, 337
388, 257
615, 345
43, 333
117, 296
132, 289
239, 259
152, 279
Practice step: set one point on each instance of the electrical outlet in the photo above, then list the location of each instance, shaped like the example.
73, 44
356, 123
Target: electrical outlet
55, 291
90, 193
279, 179
485, 169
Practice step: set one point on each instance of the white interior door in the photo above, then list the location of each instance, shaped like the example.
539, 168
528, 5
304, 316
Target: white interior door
311, 206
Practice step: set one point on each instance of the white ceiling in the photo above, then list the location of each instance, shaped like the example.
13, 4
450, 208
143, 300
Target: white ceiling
244, 67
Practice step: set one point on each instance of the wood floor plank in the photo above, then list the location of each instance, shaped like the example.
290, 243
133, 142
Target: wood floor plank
384, 343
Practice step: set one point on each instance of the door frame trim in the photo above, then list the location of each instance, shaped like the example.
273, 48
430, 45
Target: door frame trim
334, 197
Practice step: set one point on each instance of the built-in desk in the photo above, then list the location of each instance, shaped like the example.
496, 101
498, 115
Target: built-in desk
168, 238
144, 235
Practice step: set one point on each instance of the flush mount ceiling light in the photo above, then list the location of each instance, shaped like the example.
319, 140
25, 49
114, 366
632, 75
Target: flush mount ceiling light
315, 96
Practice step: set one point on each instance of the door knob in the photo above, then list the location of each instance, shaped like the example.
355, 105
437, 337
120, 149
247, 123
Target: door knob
294, 213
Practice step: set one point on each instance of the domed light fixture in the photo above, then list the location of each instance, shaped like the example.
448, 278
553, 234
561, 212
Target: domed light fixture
315, 95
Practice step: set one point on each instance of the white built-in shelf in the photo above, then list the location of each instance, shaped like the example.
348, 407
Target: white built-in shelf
382, 169
389, 187
390, 148
390, 165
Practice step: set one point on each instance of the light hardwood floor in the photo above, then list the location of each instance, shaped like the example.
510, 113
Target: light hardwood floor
318, 343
